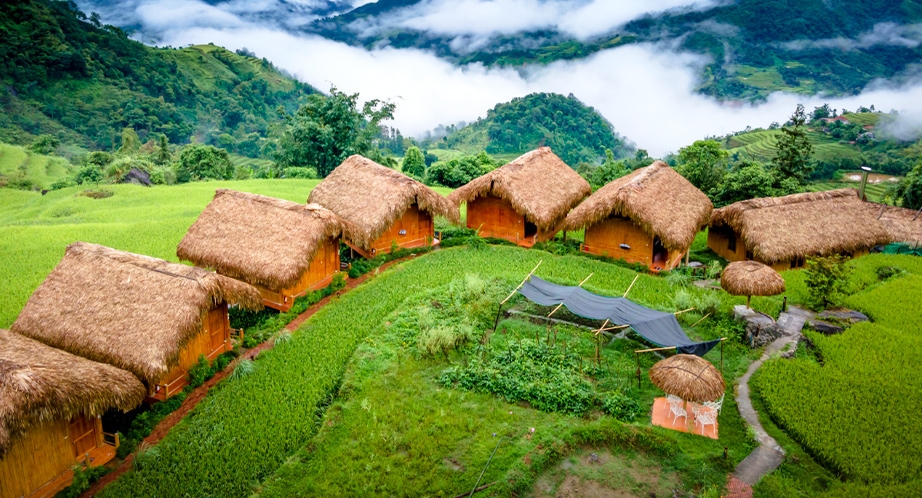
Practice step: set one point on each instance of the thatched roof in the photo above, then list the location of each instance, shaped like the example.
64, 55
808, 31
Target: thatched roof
903, 225
258, 239
779, 229
39, 384
131, 311
689, 377
656, 198
538, 184
751, 278
371, 197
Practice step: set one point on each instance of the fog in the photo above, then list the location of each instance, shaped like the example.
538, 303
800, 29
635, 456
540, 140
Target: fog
646, 91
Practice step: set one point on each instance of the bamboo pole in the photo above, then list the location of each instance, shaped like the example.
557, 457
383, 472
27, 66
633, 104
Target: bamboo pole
699, 321
653, 349
683, 311
632, 285
521, 284
561, 304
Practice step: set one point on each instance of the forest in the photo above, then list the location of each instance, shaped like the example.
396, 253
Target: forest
66, 74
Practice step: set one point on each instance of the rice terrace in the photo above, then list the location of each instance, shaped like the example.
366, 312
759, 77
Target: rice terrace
221, 281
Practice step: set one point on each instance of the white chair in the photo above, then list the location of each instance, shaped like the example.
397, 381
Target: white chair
673, 400
706, 416
677, 409
715, 405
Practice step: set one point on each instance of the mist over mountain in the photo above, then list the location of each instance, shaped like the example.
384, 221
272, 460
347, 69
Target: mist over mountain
663, 72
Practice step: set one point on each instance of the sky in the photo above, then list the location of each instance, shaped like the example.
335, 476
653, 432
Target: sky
647, 91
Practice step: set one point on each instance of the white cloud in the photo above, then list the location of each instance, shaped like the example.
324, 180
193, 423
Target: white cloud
885, 33
645, 91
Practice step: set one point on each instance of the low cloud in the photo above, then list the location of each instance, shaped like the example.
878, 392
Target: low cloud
906, 127
885, 33
646, 91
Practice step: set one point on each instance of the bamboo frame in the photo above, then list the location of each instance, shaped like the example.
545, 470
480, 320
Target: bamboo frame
651, 350
499, 308
632, 285
561, 304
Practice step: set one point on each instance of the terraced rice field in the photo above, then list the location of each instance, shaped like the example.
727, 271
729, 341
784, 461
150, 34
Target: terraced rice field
41, 170
761, 145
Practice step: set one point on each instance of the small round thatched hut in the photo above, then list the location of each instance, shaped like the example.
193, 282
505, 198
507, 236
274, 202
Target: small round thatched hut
751, 278
689, 377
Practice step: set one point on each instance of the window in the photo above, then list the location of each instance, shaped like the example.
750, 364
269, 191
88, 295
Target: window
731, 242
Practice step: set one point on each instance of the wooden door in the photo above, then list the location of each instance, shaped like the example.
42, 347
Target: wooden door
217, 326
84, 435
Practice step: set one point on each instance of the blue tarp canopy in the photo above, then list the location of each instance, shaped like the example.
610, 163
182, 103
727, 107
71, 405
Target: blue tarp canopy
658, 327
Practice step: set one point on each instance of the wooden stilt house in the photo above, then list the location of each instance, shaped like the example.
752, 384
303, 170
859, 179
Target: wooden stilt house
524, 201
782, 232
385, 207
282, 248
649, 217
50, 407
145, 315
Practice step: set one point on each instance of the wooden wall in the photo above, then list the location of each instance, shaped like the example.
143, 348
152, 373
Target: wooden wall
605, 238
213, 340
39, 463
319, 274
719, 241
494, 217
417, 229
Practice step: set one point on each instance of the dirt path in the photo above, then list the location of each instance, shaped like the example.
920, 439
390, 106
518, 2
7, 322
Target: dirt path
198, 394
769, 455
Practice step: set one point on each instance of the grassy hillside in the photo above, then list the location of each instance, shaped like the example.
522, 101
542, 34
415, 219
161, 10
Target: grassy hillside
16, 163
83, 82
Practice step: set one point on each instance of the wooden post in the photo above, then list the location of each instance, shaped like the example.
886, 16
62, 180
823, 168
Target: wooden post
721, 357
748, 300
637, 360
632, 285
686, 257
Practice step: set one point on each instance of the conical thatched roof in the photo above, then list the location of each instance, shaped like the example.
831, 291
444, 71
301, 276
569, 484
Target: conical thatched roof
39, 384
656, 198
779, 229
903, 225
751, 278
131, 311
371, 197
538, 184
258, 239
689, 377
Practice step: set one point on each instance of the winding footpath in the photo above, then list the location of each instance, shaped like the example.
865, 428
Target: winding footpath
769, 455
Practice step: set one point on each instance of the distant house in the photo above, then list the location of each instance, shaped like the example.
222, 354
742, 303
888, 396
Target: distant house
385, 207
783, 232
50, 404
524, 201
649, 217
282, 248
145, 315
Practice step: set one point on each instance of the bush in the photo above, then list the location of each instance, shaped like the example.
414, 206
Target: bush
621, 406
887, 272
83, 479
63, 183
826, 278
199, 372
298, 172
163, 176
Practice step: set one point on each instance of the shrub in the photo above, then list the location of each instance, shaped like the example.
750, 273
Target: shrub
299, 172
621, 406
63, 183
826, 278
83, 478
199, 372
683, 299
244, 368
442, 339
678, 279
163, 176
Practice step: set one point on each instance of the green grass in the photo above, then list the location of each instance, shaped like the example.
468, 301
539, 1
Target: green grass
852, 404
247, 428
41, 170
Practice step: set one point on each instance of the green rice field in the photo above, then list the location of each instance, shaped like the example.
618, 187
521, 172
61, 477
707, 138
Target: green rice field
41, 170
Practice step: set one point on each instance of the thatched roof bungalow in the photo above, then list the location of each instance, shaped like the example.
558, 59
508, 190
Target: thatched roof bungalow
50, 402
384, 206
524, 201
782, 232
903, 225
649, 217
282, 248
145, 315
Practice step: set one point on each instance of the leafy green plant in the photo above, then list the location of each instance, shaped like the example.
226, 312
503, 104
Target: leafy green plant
826, 278
243, 368
199, 372
621, 406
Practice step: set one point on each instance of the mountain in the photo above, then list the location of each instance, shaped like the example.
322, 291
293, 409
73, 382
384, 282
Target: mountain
575, 131
67, 75
755, 47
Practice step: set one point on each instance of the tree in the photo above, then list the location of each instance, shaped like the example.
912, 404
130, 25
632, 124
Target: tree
826, 278
909, 191
162, 155
457, 172
821, 112
414, 162
91, 173
792, 158
747, 180
328, 129
203, 162
131, 143
44, 144
704, 164
610, 170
